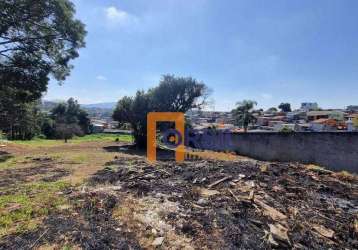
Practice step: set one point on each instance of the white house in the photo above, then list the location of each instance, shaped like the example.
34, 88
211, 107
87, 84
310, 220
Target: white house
97, 128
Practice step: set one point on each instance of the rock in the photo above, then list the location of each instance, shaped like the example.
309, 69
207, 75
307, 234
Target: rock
158, 241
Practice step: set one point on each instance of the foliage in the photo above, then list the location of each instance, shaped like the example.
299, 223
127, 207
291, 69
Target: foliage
65, 121
37, 41
32, 201
173, 94
355, 122
22, 122
104, 137
286, 129
285, 107
2, 135
243, 113
67, 130
272, 110
337, 115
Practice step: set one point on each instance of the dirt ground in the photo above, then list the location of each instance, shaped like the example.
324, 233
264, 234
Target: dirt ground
114, 199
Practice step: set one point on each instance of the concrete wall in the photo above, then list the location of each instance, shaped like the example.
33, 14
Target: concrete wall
333, 150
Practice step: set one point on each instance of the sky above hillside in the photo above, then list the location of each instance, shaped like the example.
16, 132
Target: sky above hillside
268, 51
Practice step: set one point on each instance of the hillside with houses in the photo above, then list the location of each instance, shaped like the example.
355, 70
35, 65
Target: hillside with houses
309, 118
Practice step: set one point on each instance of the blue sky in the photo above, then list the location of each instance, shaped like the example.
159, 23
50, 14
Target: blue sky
268, 51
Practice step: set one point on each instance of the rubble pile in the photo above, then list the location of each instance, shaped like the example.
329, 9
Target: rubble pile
241, 204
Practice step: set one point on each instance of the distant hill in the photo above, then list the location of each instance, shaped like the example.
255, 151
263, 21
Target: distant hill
103, 105
100, 110
48, 105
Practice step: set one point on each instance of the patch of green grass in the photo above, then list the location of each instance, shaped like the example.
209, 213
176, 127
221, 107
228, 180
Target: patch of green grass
24, 209
67, 247
87, 138
8, 162
103, 137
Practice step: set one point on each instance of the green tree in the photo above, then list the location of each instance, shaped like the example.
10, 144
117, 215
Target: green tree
68, 120
173, 94
47, 126
67, 130
272, 110
285, 107
243, 113
23, 122
37, 41
28, 117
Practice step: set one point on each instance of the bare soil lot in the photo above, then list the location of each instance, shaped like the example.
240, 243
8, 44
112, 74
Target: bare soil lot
84, 196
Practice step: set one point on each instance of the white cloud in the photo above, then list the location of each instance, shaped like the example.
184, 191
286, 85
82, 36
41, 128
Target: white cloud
101, 78
266, 96
116, 16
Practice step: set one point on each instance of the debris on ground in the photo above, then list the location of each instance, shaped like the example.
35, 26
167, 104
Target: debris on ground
243, 205
203, 204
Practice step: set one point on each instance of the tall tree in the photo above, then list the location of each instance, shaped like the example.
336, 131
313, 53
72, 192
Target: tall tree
23, 122
173, 94
272, 110
69, 120
37, 40
285, 107
243, 113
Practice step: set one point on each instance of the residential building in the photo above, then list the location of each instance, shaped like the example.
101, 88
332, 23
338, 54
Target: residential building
323, 124
315, 115
280, 126
352, 108
97, 128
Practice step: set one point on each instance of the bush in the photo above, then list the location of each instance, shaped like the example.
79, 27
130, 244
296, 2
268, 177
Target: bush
67, 131
286, 130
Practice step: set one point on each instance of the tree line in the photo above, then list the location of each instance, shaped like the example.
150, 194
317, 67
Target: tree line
38, 39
